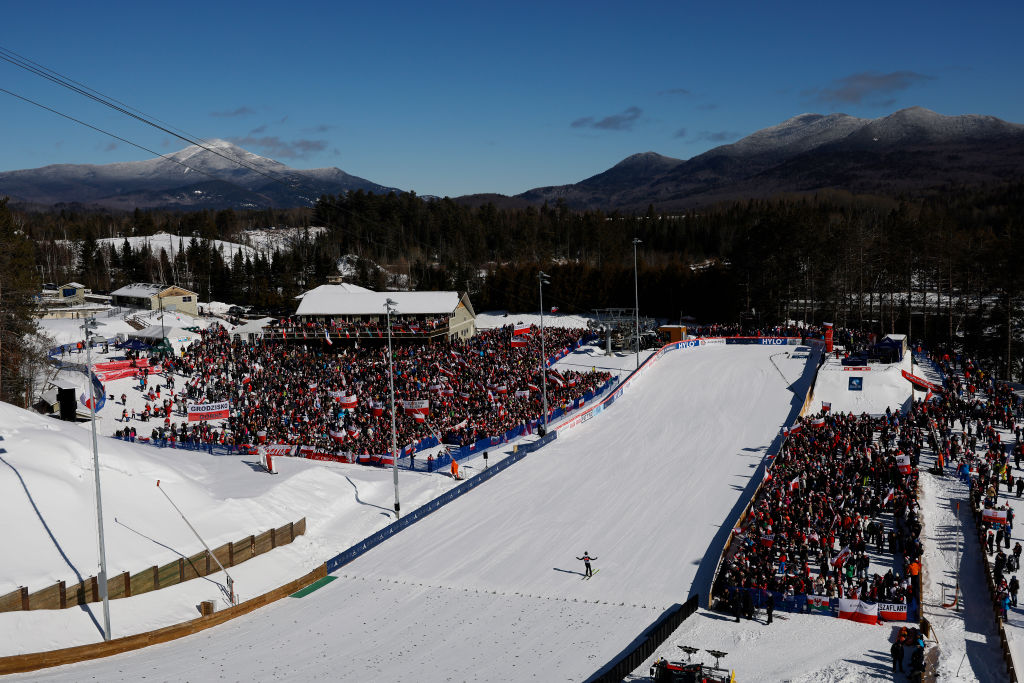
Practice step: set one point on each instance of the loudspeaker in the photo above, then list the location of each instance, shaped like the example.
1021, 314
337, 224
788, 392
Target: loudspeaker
68, 404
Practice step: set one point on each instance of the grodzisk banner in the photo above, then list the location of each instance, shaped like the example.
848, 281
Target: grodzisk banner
208, 411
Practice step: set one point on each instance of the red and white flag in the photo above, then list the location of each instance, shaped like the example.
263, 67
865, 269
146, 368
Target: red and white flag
520, 328
795, 484
337, 435
348, 402
416, 407
993, 516
858, 610
889, 497
768, 539
826, 406
519, 343
817, 422
327, 337
903, 463
554, 309
377, 407
842, 557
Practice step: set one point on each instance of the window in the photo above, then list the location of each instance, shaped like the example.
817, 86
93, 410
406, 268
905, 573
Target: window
186, 299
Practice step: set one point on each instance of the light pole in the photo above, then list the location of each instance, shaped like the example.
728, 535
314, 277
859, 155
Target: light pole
87, 326
389, 305
636, 293
542, 279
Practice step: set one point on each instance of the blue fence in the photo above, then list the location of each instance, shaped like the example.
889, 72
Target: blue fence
372, 541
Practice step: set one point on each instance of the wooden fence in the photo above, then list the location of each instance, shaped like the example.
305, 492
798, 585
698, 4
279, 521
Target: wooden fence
62, 594
40, 660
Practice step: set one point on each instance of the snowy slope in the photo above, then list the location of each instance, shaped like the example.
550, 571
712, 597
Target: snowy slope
644, 487
174, 244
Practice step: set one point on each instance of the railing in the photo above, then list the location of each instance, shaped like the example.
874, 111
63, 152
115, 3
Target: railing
62, 595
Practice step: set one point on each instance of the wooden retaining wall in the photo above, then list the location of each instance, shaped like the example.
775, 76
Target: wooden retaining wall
81, 653
62, 594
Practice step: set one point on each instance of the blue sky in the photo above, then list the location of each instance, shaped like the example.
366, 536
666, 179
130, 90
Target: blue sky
451, 98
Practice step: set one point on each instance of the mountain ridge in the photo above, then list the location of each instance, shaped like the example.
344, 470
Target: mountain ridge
909, 150
199, 176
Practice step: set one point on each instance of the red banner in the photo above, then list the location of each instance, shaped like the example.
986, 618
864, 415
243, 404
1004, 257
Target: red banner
921, 383
892, 611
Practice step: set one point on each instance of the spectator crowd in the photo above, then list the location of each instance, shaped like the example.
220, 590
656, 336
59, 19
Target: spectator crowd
336, 397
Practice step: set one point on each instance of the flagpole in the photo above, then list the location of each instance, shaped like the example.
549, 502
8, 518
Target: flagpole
89, 324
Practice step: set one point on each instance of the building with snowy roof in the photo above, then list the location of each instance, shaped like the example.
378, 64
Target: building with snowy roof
151, 297
348, 311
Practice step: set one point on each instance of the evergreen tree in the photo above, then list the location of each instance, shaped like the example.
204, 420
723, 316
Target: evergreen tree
19, 283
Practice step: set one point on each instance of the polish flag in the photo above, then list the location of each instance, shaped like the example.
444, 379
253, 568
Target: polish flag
903, 463
337, 435
327, 337
377, 407
795, 484
858, 610
841, 557
348, 402
519, 343
520, 328
994, 516
554, 309
889, 497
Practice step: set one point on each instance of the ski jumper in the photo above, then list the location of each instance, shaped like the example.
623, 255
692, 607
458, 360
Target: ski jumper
586, 563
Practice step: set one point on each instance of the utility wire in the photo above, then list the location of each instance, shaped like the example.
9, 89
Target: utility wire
53, 76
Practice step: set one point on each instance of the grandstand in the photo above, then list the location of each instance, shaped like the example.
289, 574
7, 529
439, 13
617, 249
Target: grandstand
348, 314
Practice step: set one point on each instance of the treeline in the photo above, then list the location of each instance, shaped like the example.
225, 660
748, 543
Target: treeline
943, 267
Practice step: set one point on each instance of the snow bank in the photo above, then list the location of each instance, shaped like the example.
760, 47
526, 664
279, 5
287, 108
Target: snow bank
881, 386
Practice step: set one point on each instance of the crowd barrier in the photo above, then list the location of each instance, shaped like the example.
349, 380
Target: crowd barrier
645, 645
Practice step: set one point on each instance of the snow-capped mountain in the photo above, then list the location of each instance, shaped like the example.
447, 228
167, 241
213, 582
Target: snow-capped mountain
910, 150
217, 174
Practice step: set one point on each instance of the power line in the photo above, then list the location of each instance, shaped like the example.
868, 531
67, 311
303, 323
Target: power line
66, 82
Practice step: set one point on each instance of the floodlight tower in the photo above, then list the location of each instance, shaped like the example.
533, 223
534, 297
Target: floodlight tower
88, 325
390, 305
542, 279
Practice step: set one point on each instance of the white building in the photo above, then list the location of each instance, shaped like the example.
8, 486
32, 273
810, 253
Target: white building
361, 312
152, 297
